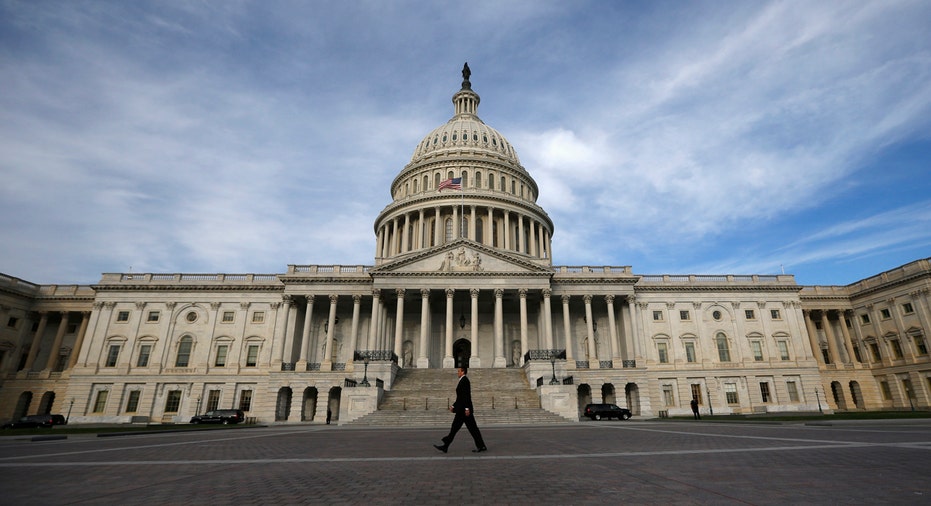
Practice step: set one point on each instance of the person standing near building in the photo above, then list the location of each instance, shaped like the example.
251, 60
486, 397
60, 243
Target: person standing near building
695, 413
464, 414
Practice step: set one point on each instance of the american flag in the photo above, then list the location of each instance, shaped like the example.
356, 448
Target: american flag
453, 184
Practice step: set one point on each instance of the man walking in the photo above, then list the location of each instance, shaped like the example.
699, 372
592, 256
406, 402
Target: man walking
695, 414
464, 414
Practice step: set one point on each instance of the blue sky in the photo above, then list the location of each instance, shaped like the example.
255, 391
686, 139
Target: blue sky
675, 137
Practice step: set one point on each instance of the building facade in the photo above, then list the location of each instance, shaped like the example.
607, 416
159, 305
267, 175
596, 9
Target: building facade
462, 274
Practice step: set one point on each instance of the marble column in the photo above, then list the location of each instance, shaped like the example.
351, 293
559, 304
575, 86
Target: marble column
813, 336
56, 344
373, 324
522, 293
499, 330
476, 361
615, 355
354, 330
590, 327
399, 327
422, 361
79, 341
848, 343
34, 347
326, 364
567, 330
448, 360
548, 319
305, 335
829, 334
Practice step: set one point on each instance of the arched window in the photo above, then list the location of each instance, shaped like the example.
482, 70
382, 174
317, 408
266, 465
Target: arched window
426, 182
724, 352
436, 180
478, 179
491, 181
503, 186
465, 179
449, 229
479, 229
416, 188
184, 351
410, 237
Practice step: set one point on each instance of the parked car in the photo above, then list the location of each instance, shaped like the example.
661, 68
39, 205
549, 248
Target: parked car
224, 416
33, 421
599, 411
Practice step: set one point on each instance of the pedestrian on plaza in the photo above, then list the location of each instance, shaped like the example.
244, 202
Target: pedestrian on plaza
464, 414
329, 414
695, 413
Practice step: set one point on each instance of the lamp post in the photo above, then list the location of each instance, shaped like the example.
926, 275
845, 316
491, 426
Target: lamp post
365, 374
819, 402
70, 405
553, 363
710, 407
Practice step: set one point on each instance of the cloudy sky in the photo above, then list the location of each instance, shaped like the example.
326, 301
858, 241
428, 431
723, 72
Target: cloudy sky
675, 137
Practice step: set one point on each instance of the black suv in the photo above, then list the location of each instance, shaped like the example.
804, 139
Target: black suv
599, 411
224, 416
33, 421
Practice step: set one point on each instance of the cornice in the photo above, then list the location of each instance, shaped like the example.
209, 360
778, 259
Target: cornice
188, 288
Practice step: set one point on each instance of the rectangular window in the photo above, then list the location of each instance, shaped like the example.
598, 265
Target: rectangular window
764, 391
152, 317
909, 392
684, 316
896, 348
213, 400
864, 318
757, 348
920, 345
792, 389
874, 350
783, 350
885, 313
113, 353
657, 316
245, 400
252, 355
144, 351
172, 401
775, 314
750, 314
122, 316
696, 392
228, 316
258, 317
690, 352
730, 391
724, 353
221, 355
884, 388
100, 403
663, 352
668, 396
72, 328
907, 308
132, 404
12, 322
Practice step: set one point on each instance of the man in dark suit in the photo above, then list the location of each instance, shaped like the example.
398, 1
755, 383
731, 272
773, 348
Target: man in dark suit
464, 414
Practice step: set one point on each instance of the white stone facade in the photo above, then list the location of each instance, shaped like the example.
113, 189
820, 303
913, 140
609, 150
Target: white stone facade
460, 275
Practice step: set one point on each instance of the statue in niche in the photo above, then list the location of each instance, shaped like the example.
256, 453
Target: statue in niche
515, 353
408, 354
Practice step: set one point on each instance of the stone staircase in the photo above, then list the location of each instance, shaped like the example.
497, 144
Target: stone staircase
421, 398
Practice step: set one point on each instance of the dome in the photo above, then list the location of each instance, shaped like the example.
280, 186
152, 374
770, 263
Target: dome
465, 131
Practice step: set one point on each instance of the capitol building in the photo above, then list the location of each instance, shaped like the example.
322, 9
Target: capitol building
462, 274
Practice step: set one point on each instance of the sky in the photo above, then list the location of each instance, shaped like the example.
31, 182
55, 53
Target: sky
719, 137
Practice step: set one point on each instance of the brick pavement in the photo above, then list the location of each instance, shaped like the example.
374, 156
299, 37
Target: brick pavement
646, 462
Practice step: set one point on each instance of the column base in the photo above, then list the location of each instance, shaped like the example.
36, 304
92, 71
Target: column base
449, 363
500, 362
326, 366
423, 363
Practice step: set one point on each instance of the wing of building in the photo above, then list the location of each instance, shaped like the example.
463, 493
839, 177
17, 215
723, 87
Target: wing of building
462, 275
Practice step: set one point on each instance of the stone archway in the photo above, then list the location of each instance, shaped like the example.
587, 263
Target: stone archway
856, 395
462, 352
22, 405
283, 406
309, 408
632, 393
45, 403
837, 391
585, 397
607, 394
333, 403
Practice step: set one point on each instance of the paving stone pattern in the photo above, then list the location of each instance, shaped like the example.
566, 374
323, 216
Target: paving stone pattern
636, 462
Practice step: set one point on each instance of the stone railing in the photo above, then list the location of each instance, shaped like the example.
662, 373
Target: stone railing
546, 355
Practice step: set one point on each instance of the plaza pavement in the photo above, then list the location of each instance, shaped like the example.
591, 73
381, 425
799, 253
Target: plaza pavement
608, 462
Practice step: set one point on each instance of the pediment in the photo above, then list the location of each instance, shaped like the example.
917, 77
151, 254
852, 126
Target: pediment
461, 257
